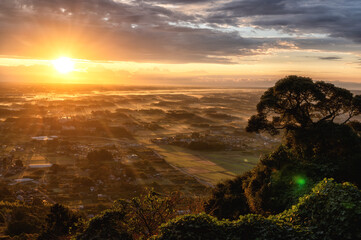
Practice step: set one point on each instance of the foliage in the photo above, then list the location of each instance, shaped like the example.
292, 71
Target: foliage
258, 190
314, 147
279, 180
110, 225
19, 218
286, 186
228, 199
141, 216
203, 226
193, 227
332, 148
254, 226
146, 213
60, 221
25, 236
297, 103
332, 211
18, 227
333, 151
6, 194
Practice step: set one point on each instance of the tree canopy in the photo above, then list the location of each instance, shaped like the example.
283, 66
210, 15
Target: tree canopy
330, 211
320, 141
298, 102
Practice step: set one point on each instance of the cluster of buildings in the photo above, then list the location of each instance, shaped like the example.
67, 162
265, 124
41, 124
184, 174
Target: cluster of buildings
229, 142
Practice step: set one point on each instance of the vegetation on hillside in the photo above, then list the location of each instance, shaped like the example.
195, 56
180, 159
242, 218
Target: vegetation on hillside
317, 143
307, 188
331, 211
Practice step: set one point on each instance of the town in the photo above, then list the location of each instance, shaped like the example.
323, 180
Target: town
85, 149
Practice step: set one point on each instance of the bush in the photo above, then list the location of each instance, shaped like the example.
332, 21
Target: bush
60, 222
20, 218
228, 200
332, 211
25, 236
189, 227
139, 217
286, 186
203, 226
264, 189
333, 149
258, 227
108, 226
19, 227
289, 172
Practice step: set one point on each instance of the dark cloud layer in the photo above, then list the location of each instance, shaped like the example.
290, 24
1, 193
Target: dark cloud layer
336, 18
153, 31
180, 1
330, 58
104, 29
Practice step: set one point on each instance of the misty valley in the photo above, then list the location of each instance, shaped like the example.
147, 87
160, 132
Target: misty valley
86, 146
119, 162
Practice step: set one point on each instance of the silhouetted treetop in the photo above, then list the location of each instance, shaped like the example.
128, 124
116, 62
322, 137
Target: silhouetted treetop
298, 102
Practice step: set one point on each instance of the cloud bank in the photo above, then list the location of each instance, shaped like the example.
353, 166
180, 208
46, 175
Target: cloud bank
177, 31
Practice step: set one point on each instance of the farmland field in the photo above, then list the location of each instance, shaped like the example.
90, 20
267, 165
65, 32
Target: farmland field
210, 167
152, 137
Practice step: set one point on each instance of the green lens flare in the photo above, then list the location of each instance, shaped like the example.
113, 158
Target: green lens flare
300, 181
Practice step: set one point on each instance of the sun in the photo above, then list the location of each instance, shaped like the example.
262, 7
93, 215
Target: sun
63, 65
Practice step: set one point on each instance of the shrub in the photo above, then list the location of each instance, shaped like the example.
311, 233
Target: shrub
333, 149
203, 226
264, 189
332, 211
285, 175
139, 217
258, 227
108, 226
228, 199
60, 221
19, 227
22, 218
192, 227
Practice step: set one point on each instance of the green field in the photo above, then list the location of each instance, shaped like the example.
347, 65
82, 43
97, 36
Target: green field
211, 167
236, 162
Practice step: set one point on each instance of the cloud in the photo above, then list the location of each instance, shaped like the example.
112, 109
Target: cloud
180, 1
104, 29
336, 18
170, 32
330, 58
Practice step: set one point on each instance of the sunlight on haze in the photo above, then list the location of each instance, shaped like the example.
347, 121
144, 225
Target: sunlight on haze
63, 65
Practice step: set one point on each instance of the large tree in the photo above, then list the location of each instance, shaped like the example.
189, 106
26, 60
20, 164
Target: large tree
298, 102
319, 141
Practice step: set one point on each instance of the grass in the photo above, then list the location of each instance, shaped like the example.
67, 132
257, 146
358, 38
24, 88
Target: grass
236, 162
211, 167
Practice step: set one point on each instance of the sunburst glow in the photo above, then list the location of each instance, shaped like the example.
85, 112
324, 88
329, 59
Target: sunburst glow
63, 65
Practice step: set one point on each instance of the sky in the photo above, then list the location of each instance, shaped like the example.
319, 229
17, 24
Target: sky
181, 42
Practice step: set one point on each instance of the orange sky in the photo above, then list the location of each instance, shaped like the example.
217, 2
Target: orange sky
179, 42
